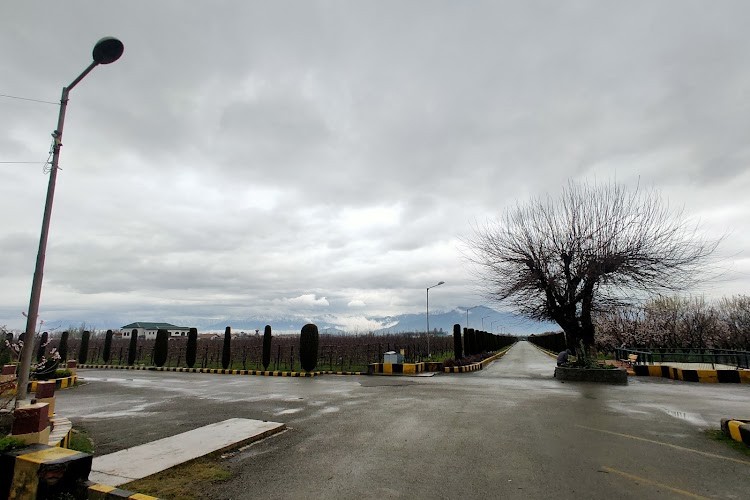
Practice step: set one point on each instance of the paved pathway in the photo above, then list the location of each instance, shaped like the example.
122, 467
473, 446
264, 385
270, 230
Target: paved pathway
147, 459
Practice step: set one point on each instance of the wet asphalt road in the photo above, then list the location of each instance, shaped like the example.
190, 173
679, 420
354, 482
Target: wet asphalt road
509, 431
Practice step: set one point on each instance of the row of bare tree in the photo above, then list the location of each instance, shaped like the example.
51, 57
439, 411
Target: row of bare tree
677, 323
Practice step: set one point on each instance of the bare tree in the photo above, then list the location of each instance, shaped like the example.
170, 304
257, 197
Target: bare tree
596, 245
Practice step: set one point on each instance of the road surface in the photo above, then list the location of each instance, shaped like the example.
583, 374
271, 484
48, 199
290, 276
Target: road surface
509, 431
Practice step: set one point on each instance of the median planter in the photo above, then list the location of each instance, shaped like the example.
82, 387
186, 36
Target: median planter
601, 375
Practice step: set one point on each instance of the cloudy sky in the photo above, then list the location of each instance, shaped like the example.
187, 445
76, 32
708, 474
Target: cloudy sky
325, 159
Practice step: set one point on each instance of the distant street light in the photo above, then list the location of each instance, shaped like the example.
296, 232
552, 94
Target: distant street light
492, 323
429, 354
467, 315
106, 51
483, 320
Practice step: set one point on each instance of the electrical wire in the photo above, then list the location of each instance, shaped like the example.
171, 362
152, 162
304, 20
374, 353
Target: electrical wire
27, 99
46, 166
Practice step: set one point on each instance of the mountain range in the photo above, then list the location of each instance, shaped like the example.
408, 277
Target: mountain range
480, 317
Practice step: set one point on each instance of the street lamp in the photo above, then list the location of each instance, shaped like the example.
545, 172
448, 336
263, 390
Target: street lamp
492, 323
428, 316
106, 51
467, 315
483, 320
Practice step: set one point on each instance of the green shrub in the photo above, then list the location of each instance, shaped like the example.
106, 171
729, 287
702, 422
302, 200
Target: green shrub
107, 346
161, 346
192, 347
83, 352
266, 347
226, 352
133, 346
308, 347
9, 443
63, 373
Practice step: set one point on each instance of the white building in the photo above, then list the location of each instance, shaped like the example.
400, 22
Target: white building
148, 330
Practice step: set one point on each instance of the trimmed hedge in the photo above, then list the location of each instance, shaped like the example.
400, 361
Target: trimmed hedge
458, 351
83, 352
40, 350
107, 346
266, 347
161, 346
226, 352
62, 348
308, 347
192, 347
132, 347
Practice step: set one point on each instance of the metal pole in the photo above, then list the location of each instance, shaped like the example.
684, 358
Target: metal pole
467, 314
36, 286
428, 315
428, 322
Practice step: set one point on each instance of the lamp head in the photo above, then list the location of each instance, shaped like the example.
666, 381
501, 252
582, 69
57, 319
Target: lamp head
441, 283
107, 50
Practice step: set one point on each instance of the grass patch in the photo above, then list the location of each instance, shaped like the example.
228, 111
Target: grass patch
718, 435
183, 482
9, 443
80, 441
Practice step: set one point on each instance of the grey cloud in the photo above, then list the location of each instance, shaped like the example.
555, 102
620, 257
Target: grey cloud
220, 156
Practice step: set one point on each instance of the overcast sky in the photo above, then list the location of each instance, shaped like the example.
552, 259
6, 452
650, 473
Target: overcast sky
326, 158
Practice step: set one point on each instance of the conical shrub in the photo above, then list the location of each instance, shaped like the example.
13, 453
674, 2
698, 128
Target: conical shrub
308, 347
266, 347
458, 352
107, 346
192, 347
83, 351
226, 352
161, 346
132, 347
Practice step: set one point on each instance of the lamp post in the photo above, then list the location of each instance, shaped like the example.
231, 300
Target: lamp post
492, 323
429, 355
106, 51
483, 320
467, 315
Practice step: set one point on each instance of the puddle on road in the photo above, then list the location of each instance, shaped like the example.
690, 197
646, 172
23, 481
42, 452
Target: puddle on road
135, 409
287, 411
693, 418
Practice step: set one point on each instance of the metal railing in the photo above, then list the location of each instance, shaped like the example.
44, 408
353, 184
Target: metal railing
729, 357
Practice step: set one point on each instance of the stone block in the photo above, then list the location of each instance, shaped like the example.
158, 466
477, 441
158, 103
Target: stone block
42, 471
45, 390
29, 419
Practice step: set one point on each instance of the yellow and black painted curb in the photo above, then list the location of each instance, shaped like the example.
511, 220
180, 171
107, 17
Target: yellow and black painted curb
481, 365
396, 368
737, 429
463, 369
61, 432
116, 367
105, 492
705, 376
41, 471
60, 383
221, 371
685, 375
217, 371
